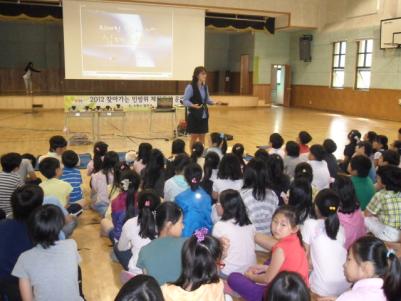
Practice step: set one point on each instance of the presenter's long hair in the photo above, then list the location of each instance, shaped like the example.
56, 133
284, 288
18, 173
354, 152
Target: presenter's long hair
195, 77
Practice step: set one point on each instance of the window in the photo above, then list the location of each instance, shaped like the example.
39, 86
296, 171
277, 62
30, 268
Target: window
337, 77
364, 64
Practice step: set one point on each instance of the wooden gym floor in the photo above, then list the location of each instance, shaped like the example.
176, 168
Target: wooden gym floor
23, 132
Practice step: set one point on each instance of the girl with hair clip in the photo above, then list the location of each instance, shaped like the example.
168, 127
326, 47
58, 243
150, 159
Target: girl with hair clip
102, 182
210, 170
161, 258
177, 184
288, 254
140, 230
374, 271
238, 229
94, 165
124, 205
259, 200
239, 150
324, 239
279, 182
195, 203
153, 176
218, 144
201, 262
143, 157
197, 153
288, 286
354, 137
349, 213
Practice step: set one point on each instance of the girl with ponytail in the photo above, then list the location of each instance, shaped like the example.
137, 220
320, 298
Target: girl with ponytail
195, 203
124, 206
324, 240
199, 280
197, 153
140, 230
99, 150
374, 271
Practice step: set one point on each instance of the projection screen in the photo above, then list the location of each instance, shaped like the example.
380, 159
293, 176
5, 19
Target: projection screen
105, 40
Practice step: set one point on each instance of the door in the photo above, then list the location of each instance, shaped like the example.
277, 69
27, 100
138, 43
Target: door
287, 86
244, 77
280, 84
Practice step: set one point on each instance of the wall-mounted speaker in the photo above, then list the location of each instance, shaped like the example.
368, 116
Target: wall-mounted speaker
305, 48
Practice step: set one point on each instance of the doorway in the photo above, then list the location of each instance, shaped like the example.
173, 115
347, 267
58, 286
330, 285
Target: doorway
244, 76
281, 85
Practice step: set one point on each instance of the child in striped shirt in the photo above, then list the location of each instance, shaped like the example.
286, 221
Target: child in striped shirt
72, 175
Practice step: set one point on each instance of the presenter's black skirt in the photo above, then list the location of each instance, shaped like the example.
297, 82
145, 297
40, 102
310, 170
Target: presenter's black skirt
197, 125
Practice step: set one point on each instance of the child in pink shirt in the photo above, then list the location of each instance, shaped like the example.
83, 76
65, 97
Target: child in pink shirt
349, 214
374, 271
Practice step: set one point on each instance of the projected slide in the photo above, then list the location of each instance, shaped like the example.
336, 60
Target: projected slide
126, 43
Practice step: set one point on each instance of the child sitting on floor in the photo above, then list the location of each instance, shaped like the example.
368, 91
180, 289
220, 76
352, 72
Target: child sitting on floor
102, 181
72, 175
124, 206
288, 254
94, 165
292, 158
288, 286
195, 203
201, 262
324, 238
349, 212
139, 231
321, 174
260, 201
238, 229
382, 215
229, 175
303, 139
374, 271
143, 157
38, 278
53, 186
166, 266
9, 181
330, 147
177, 184
141, 287
359, 169
57, 146
276, 143
218, 144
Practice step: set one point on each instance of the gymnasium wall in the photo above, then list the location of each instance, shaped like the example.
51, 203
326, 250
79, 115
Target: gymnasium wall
311, 81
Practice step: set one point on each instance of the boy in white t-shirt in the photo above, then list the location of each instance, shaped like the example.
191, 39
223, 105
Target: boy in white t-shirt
321, 174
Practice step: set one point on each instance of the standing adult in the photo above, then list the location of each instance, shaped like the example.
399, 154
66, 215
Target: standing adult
28, 77
196, 99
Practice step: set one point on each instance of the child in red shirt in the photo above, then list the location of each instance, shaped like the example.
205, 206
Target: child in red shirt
287, 255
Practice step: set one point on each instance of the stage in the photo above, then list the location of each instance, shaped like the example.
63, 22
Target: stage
56, 102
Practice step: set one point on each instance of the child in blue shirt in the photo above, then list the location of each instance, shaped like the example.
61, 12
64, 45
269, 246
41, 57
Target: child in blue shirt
195, 203
72, 175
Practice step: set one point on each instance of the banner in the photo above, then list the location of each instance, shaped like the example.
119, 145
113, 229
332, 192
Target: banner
85, 103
